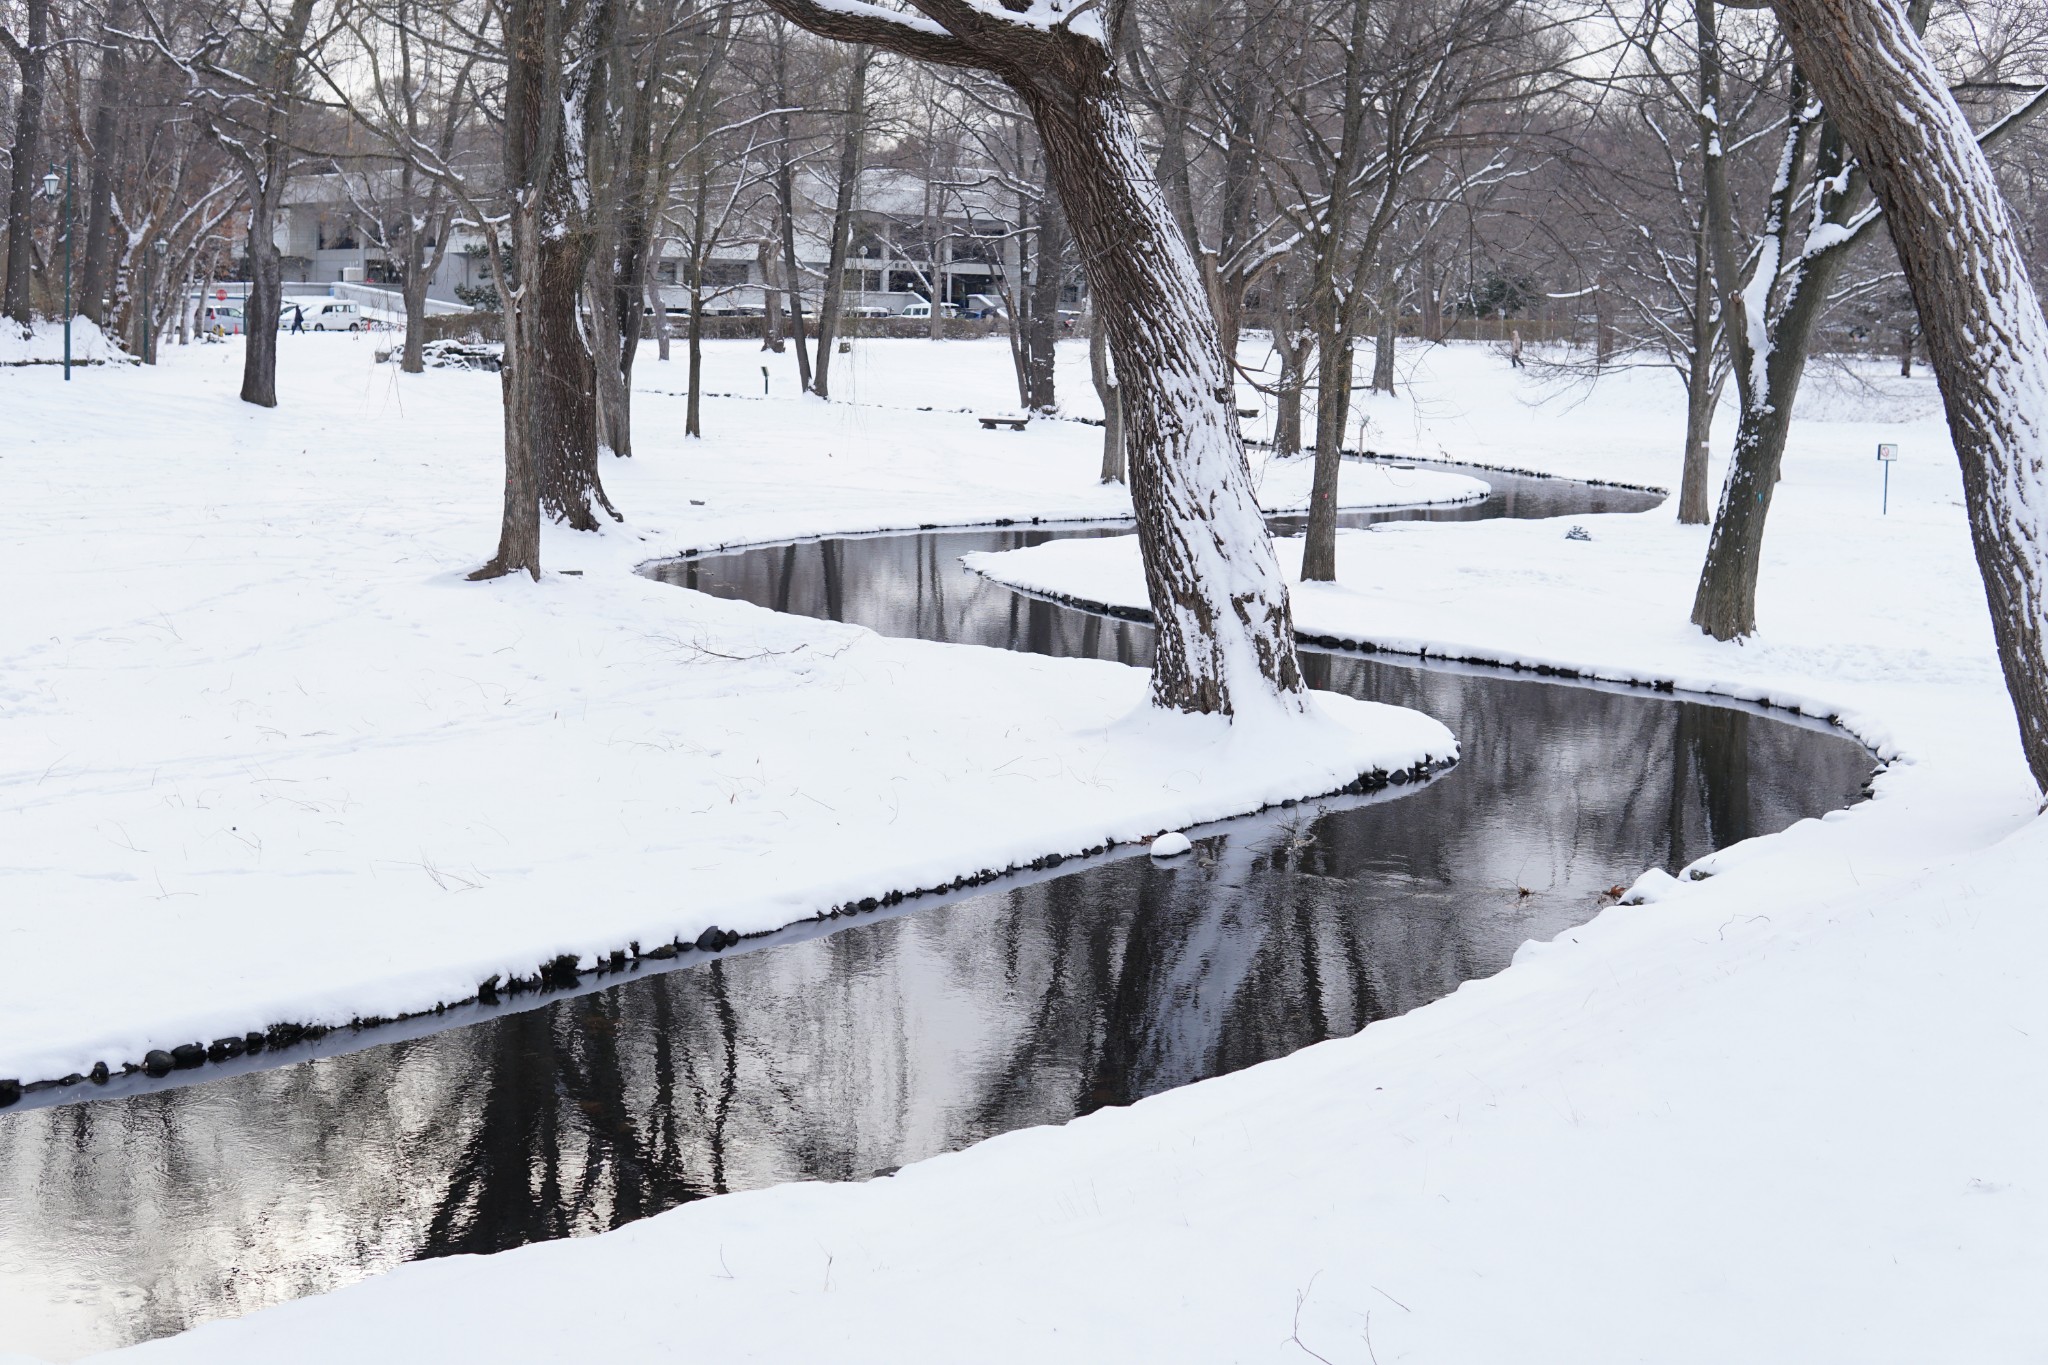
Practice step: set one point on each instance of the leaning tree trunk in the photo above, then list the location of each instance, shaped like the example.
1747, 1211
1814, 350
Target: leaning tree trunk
1225, 635
1724, 605
1224, 639
27, 161
1985, 333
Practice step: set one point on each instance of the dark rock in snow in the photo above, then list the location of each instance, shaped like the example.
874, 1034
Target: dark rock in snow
10, 1092
711, 940
188, 1054
99, 1073
224, 1048
158, 1062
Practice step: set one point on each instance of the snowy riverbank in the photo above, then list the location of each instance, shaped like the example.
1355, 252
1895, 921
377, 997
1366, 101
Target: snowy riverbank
1787, 1112
270, 760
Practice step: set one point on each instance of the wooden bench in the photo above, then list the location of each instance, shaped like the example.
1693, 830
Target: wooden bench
1013, 420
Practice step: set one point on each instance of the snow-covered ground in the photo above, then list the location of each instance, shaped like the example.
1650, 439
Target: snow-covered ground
268, 758
42, 343
1789, 1111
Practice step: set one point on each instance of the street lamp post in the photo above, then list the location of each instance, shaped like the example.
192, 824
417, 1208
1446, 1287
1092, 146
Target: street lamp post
50, 192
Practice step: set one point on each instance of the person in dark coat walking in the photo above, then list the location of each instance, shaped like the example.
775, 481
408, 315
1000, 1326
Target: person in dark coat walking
299, 319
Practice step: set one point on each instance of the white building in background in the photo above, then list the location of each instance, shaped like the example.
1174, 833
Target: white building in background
327, 232
906, 245
905, 248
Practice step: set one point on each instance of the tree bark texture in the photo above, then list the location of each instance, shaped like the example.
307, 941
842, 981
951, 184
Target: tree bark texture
1986, 336
1225, 640
31, 56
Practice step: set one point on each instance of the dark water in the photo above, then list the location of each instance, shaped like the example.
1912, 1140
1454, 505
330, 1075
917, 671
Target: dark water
836, 1055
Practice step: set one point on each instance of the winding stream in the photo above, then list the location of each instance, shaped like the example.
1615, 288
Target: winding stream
838, 1052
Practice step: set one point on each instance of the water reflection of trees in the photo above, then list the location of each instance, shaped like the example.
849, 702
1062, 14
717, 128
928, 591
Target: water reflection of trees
897, 1038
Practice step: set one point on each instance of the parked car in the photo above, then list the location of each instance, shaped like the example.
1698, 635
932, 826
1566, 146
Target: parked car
922, 309
223, 320
983, 306
324, 315
867, 310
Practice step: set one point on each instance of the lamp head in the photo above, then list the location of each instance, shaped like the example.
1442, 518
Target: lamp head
160, 247
52, 182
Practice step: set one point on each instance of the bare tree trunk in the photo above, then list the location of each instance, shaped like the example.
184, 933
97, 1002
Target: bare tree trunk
96, 278
1383, 344
1986, 336
1699, 424
1725, 604
265, 298
771, 297
1225, 634
413, 359
852, 138
1292, 347
651, 288
566, 392
1103, 372
31, 56
1042, 333
1333, 409
785, 202
550, 415
1432, 298
607, 358
1224, 639
1699, 385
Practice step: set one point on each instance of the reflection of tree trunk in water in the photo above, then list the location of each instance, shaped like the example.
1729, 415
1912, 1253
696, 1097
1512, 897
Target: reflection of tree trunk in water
1091, 636
1315, 670
1366, 1004
729, 1032
1721, 748
1128, 1022
517, 1138
667, 1137
1680, 795
1038, 639
835, 587
787, 576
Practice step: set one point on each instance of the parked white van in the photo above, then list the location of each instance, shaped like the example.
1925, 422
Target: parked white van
323, 315
922, 308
